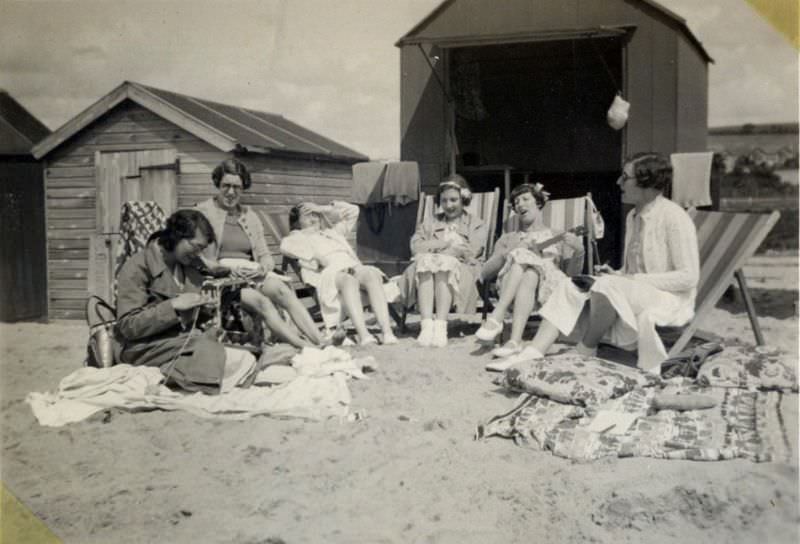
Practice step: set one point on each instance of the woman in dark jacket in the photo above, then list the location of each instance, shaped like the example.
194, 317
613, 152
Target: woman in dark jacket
159, 302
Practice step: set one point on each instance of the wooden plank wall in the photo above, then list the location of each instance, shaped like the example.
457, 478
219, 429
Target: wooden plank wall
278, 183
71, 190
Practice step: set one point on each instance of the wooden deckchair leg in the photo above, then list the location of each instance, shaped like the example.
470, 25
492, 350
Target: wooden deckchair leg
751, 309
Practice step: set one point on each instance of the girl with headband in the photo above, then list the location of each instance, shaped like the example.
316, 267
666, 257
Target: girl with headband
445, 262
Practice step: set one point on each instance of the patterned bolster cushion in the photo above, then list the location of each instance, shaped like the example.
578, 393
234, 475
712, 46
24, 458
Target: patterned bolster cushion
573, 379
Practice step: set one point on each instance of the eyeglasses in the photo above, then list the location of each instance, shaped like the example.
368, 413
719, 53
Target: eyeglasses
226, 187
625, 177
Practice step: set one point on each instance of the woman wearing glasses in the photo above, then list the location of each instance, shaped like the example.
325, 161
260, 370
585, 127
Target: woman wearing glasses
241, 248
656, 285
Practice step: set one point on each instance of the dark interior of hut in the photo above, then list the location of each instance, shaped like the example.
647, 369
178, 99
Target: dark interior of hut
540, 108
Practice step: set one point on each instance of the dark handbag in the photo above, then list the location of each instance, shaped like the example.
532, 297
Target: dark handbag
687, 363
100, 348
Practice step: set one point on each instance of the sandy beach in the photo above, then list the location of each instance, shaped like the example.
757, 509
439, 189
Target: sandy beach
409, 471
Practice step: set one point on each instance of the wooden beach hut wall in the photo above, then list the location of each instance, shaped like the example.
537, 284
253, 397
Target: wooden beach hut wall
23, 281
507, 91
142, 143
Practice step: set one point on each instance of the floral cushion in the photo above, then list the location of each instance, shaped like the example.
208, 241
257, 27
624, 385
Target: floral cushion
574, 379
748, 367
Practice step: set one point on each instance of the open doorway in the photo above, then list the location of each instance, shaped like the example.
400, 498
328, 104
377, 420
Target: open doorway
540, 109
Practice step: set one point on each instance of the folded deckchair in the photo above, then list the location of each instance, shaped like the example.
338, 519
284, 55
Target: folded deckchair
726, 240
483, 205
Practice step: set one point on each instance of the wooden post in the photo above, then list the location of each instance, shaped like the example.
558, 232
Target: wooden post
751, 309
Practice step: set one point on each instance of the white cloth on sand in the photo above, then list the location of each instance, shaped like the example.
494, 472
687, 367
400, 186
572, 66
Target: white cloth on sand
318, 391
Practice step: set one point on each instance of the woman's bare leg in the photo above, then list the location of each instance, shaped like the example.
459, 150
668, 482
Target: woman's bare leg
442, 295
425, 295
284, 296
524, 301
507, 293
372, 281
255, 301
350, 296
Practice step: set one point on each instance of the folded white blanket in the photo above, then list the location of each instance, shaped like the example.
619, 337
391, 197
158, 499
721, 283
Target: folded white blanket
318, 391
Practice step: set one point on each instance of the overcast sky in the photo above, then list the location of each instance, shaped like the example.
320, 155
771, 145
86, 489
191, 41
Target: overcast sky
330, 65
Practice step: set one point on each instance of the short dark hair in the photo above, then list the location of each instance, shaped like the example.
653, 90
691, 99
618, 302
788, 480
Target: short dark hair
182, 225
455, 181
294, 217
651, 170
234, 168
540, 197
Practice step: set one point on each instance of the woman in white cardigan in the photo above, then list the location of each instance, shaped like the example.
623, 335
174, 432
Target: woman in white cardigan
656, 286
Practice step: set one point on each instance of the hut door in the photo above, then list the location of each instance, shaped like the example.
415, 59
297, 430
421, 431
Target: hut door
120, 177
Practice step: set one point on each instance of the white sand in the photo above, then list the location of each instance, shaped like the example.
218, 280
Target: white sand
409, 472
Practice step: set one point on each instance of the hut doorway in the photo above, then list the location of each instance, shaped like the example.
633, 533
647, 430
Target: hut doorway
121, 177
536, 111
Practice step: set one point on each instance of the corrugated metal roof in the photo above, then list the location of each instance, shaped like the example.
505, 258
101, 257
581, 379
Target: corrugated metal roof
19, 130
254, 129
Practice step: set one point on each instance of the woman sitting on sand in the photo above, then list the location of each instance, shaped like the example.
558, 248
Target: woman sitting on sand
445, 263
241, 248
159, 307
527, 274
655, 287
330, 265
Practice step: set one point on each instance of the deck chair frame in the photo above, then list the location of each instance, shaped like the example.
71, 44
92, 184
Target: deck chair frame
726, 240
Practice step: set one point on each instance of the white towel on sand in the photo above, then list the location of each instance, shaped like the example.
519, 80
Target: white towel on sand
318, 391
691, 178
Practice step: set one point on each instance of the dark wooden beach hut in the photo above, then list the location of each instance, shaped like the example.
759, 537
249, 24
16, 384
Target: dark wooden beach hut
142, 143
507, 91
23, 278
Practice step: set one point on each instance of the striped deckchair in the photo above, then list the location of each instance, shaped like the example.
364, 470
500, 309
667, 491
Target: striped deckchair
566, 213
725, 240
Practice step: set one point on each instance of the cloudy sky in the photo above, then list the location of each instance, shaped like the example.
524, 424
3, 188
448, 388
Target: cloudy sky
330, 65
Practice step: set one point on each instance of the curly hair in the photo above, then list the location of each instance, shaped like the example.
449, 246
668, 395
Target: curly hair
182, 225
234, 168
454, 182
537, 191
651, 170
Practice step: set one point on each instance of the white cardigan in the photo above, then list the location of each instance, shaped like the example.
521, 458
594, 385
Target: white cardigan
669, 250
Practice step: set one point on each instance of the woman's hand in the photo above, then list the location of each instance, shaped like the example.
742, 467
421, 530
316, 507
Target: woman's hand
311, 207
249, 273
606, 269
187, 301
573, 241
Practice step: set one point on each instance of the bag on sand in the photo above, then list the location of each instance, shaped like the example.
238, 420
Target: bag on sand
100, 348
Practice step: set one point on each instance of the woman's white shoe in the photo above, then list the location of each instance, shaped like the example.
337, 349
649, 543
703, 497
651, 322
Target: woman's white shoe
529, 353
507, 350
426, 333
439, 333
489, 330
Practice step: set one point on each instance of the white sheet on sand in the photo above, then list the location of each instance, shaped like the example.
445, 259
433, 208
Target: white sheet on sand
317, 391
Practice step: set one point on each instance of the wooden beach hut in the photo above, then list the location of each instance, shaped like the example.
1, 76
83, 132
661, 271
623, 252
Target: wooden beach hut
23, 281
142, 143
507, 91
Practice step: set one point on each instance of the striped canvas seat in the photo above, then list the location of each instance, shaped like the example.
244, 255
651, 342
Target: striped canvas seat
725, 241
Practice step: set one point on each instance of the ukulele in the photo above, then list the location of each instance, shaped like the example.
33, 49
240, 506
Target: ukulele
538, 247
